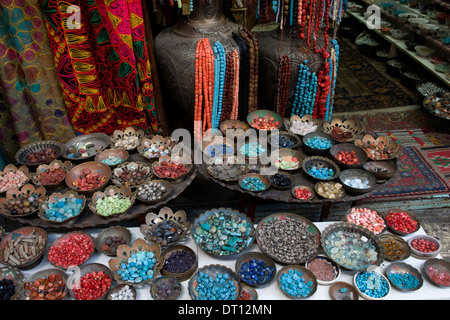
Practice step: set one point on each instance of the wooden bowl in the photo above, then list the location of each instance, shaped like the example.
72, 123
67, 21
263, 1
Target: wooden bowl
100, 169
89, 268
357, 174
305, 273
349, 147
249, 256
399, 242
112, 191
320, 162
113, 231
317, 152
105, 154
54, 198
23, 153
101, 141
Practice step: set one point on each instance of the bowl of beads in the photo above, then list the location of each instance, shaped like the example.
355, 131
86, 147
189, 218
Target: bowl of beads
11, 280
180, 262
251, 150
23, 248
303, 125
297, 282
71, 249
253, 182
111, 238
173, 171
22, 202
348, 155
324, 269
13, 177
85, 146
52, 175
154, 191
165, 228
112, 202
404, 277
317, 143
341, 290
122, 292
256, 269
287, 159
137, 264
62, 207
284, 140
438, 104
227, 169
214, 282
424, 246
222, 232
88, 177
402, 222
131, 174
367, 218
281, 180
165, 288
156, 147
372, 285
94, 282
37, 153
248, 293
437, 272
351, 246
234, 127
382, 170
357, 181
424, 51
128, 139
395, 248
47, 284
321, 168
329, 190
264, 120
112, 157
378, 148
342, 130
303, 193
288, 238
217, 146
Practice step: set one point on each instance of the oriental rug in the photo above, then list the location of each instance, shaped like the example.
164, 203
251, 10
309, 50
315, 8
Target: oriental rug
410, 137
439, 158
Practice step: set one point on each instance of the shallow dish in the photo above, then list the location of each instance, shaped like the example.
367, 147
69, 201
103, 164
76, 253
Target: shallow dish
264, 179
305, 273
42, 274
342, 130
274, 140
313, 151
164, 185
181, 276
63, 238
23, 153
233, 127
54, 199
11, 169
424, 51
117, 289
103, 156
133, 166
354, 212
165, 282
166, 161
393, 230
320, 162
72, 148
228, 170
89, 268
343, 291
102, 170
292, 159
117, 232
307, 122
265, 115
424, 255
14, 274
336, 270
277, 184
400, 268
128, 139
112, 191
217, 146
26, 192
51, 167
365, 296
378, 148
407, 15
349, 147
415, 22
253, 282
321, 188
156, 147
398, 34
435, 269
382, 170
356, 174
403, 247
313, 194
248, 293
428, 28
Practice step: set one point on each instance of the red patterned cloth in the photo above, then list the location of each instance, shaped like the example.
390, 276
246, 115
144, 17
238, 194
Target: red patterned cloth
102, 63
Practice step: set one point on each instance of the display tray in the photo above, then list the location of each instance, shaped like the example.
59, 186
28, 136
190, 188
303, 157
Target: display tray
87, 218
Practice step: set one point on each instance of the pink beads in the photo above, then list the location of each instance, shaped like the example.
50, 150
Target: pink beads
367, 218
12, 180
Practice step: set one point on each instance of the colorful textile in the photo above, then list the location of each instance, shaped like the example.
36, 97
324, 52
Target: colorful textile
439, 157
102, 62
412, 137
31, 102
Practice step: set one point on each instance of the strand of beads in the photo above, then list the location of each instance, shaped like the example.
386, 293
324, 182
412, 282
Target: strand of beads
283, 75
228, 87
219, 74
335, 60
253, 45
235, 95
244, 66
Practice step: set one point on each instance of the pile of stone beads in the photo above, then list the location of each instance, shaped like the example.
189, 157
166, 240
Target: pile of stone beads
64, 208
125, 293
256, 272
367, 218
24, 204
283, 141
372, 284
401, 221
350, 250
441, 277
112, 160
213, 150
179, 261
82, 151
424, 245
41, 156
254, 184
218, 287
252, 149
45, 288
286, 162
51, 177
357, 183
92, 286
280, 180
223, 234
302, 193
166, 232
12, 180
392, 250
156, 151
321, 172
7, 289
166, 289
112, 243
261, 123
318, 143
138, 267
330, 190
302, 128
405, 281
322, 269
71, 251
151, 191
287, 239
111, 205
294, 284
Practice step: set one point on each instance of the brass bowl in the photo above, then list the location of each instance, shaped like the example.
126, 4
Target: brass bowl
435, 265
112, 191
117, 289
54, 165
10, 168
131, 166
24, 152
343, 291
113, 231
174, 284
183, 276
306, 119
403, 268
249, 256
369, 142
54, 198
24, 192
319, 188
399, 233
89, 268
105, 154
357, 174
267, 115
100, 169
68, 235
320, 162
317, 152
212, 270
349, 147
43, 274
264, 179
313, 194
306, 274
287, 153
399, 242
128, 139
14, 274
16, 236
100, 140
343, 130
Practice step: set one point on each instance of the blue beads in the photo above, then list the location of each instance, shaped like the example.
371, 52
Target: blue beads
372, 284
294, 284
255, 272
406, 281
220, 287
318, 143
253, 184
138, 267
220, 63
63, 209
321, 172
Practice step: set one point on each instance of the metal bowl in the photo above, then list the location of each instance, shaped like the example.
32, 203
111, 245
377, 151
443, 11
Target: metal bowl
342, 130
237, 127
114, 231
380, 216
105, 154
305, 273
424, 255
387, 169
434, 266
355, 277
100, 169
166, 281
178, 179
405, 252
119, 287
357, 174
184, 275
168, 187
313, 194
306, 119
89, 268
402, 269
249, 290
54, 198
343, 291
348, 147
54, 165
10, 168
249, 256
100, 140
24, 152
266, 114
320, 162
264, 179
132, 166
319, 188
43, 274
278, 187
25, 192
335, 267
274, 139
313, 151
213, 270
111, 191
68, 235
287, 153
399, 233
368, 142
14, 274
122, 139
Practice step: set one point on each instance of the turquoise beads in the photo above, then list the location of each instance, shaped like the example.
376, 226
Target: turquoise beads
253, 184
138, 268
219, 287
63, 209
372, 284
294, 284
405, 281
321, 172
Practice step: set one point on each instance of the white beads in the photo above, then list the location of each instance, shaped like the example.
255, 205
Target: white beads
302, 128
125, 293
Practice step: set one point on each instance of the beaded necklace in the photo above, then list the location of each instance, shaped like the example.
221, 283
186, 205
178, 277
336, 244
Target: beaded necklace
219, 82
253, 46
282, 89
235, 86
244, 74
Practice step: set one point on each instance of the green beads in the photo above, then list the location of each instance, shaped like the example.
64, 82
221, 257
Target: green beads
112, 205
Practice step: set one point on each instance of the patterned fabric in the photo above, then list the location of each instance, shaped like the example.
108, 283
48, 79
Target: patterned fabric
439, 157
31, 102
102, 62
